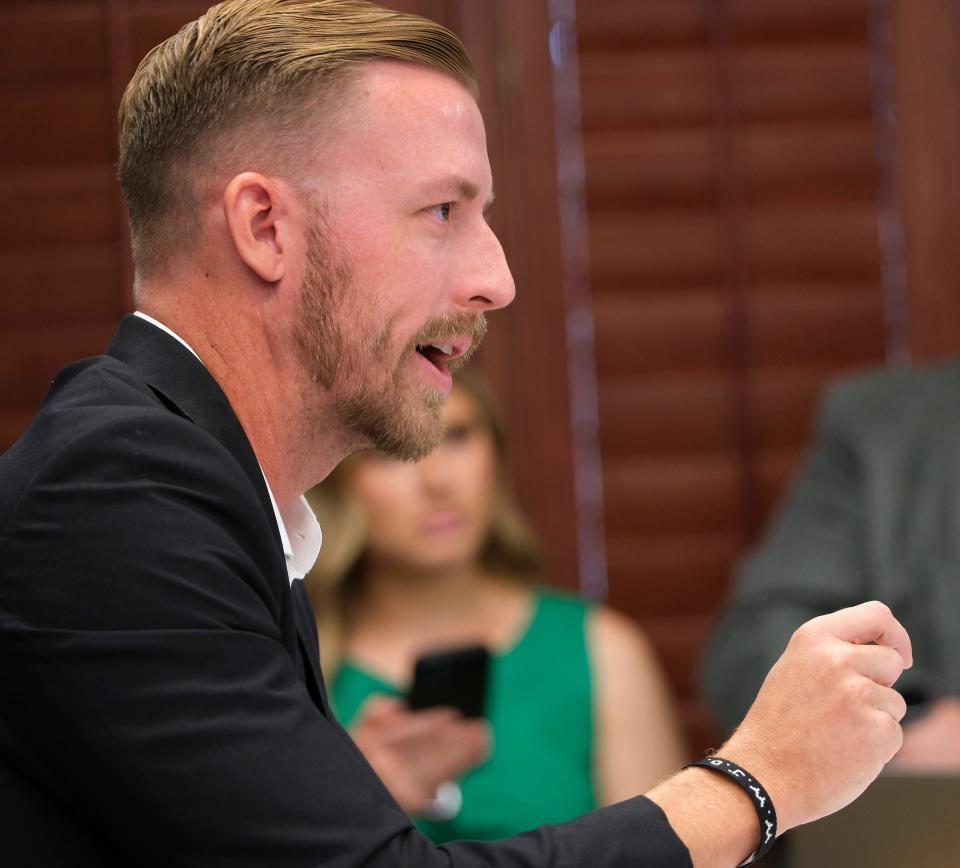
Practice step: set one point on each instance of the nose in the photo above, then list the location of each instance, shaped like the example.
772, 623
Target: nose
434, 472
487, 281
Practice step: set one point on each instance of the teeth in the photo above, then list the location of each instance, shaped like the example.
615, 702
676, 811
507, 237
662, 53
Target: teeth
446, 349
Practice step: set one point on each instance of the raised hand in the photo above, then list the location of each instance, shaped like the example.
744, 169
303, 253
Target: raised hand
827, 719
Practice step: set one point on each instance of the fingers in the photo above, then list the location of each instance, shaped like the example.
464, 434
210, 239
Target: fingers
868, 622
377, 707
435, 746
448, 758
415, 728
413, 752
885, 699
877, 662
430, 735
828, 703
893, 737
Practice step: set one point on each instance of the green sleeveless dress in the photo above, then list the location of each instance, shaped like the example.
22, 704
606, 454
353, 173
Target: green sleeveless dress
540, 707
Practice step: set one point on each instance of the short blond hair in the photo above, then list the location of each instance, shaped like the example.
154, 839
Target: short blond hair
248, 66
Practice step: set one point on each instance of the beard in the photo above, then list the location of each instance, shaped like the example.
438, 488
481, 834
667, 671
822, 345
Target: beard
403, 420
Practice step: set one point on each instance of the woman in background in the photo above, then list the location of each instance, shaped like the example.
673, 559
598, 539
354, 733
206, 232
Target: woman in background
435, 554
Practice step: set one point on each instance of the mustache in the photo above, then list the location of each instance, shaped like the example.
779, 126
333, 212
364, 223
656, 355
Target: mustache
473, 325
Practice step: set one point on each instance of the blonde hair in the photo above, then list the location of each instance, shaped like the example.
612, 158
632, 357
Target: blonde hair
248, 67
510, 548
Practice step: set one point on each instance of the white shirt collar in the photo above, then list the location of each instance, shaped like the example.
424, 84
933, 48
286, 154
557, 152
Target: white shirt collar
300, 551
168, 330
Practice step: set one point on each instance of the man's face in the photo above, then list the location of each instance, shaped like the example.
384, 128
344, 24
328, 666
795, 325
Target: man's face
401, 263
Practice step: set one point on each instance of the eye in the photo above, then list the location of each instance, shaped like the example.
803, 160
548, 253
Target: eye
458, 433
441, 211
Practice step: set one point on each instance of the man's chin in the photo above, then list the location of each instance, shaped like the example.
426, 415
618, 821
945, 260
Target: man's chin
408, 450
404, 432
410, 442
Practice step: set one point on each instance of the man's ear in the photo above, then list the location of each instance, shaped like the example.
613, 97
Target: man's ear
257, 214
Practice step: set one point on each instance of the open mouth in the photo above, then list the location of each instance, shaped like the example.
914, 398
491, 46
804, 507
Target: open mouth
441, 353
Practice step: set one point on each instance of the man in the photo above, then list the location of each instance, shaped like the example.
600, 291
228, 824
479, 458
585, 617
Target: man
306, 184
875, 512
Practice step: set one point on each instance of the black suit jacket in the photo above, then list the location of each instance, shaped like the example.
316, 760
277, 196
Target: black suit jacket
161, 701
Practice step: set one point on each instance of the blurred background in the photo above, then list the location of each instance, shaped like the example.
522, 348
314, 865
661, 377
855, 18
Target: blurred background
711, 207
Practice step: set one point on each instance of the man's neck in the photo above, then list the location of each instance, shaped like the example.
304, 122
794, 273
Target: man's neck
259, 374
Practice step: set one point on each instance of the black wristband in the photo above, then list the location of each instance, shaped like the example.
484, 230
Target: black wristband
762, 802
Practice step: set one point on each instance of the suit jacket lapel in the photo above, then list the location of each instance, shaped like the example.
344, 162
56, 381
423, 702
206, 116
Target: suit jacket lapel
309, 644
184, 384
181, 380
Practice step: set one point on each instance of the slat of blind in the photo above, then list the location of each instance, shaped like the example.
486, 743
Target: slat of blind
827, 241
57, 285
32, 356
809, 160
784, 242
668, 494
36, 114
673, 168
74, 214
661, 332
631, 24
799, 20
672, 575
675, 88
670, 248
807, 328
71, 33
665, 331
666, 415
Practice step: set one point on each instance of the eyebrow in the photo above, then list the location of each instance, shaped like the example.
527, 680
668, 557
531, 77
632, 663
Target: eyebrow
462, 187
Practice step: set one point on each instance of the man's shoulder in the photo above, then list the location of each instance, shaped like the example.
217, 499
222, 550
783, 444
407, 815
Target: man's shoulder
109, 480
902, 397
89, 401
901, 381
100, 423
85, 394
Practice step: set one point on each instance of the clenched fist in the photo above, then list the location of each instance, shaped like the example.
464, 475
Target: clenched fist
827, 718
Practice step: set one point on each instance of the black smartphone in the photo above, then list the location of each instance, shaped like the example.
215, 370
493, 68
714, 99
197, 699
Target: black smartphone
454, 677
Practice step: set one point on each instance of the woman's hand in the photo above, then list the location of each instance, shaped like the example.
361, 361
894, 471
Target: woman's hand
414, 752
